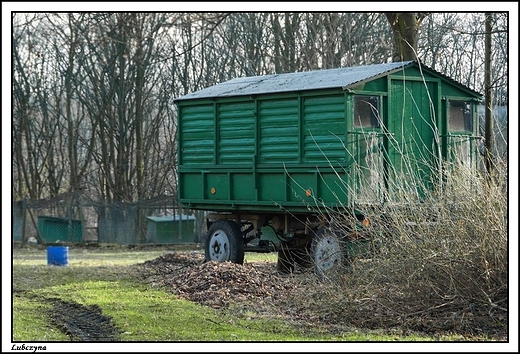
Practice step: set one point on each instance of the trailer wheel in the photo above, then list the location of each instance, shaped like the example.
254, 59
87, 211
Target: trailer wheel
224, 242
289, 258
328, 253
284, 263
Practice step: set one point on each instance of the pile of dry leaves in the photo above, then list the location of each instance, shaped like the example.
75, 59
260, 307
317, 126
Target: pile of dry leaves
216, 284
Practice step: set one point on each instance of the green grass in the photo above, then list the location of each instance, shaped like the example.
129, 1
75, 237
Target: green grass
144, 314
80, 257
261, 257
154, 315
141, 312
30, 325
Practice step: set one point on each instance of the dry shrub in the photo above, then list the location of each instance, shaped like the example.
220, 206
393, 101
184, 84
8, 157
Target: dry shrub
439, 265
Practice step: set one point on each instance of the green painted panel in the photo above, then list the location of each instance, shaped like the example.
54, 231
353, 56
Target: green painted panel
197, 135
379, 85
272, 187
243, 187
54, 229
279, 131
299, 184
191, 186
217, 186
332, 188
236, 143
412, 119
448, 87
324, 129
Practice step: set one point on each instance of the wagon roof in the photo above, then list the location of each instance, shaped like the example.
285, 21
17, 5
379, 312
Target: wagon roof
341, 78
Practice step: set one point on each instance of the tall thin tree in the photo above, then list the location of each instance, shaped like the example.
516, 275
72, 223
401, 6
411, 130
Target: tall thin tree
488, 135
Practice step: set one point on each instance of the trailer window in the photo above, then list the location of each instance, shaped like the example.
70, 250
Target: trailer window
366, 111
461, 116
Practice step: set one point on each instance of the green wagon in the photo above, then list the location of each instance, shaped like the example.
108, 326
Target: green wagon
271, 156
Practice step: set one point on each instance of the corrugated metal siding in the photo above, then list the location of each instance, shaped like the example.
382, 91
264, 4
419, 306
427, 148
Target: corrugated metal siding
236, 133
279, 131
197, 134
324, 129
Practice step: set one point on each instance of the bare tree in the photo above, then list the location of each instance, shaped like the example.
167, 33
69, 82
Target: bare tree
246, 36
122, 99
38, 158
454, 44
93, 92
284, 27
488, 95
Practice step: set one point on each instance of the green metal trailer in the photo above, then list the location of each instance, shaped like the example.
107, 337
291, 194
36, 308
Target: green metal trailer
271, 155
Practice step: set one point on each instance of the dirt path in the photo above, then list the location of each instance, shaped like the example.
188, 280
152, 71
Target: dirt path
82, 323
79, 322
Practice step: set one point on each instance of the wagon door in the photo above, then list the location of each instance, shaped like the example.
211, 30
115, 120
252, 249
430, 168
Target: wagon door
365, 140
413, 146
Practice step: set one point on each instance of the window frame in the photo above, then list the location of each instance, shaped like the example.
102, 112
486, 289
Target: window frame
471, 121
359, 124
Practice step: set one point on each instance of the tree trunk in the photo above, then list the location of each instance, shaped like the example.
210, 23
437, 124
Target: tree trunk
488, 95
405, 28
139, 86
71, 136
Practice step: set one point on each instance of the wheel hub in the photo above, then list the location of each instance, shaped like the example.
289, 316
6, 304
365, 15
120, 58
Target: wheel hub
219, 247
328, 253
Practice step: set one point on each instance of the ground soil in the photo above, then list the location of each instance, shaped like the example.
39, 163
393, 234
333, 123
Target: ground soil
79, 322
299, 298
255, 287
82, 323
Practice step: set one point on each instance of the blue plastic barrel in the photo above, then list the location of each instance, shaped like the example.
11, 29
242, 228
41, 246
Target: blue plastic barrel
58, 255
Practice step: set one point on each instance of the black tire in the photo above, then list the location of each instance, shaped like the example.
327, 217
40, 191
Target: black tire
328, 254
285, 263
224, 242
288, 259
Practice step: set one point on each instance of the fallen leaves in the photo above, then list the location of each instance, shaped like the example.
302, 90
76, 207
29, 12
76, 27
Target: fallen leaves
216, 284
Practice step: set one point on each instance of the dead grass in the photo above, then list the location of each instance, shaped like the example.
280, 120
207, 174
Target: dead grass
439, 265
